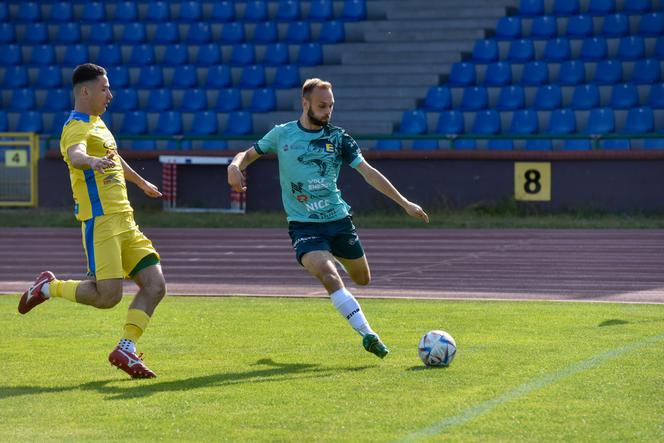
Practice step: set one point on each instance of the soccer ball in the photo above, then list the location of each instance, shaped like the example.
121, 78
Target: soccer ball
437, 348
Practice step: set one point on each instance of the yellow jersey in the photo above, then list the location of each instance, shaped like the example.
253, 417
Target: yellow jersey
95, 194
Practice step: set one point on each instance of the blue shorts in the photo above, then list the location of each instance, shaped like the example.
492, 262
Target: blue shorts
339, 237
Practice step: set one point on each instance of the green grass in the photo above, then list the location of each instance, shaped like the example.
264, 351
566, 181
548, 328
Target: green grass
259, 369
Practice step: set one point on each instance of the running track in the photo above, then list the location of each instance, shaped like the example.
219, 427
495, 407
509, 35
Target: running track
588, 265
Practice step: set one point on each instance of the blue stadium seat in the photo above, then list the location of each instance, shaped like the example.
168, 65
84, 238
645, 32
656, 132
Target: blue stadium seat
205, 123
508, 28
175, 55
194, 100
639, 121
199, 33
298, 32
76, 55
652, 24
544, 27
531, 7
354, 10
631, 48
485, 51
28, 12
557, 50
594, 48
158, 11
450, 122
601, 121
659, 48
218, 77
30, 121
474, 98
190, 11
109, 56
243, 54
608, 72
42, 55
615, 25
548, 97
4, 12
654, 143
118, 76
637, 6
525, 121
498, 74
572, 72
424, 145
332, 31
35, 33
232, 32
49, 77
535, 73
266, 32
510, 98
287, 76
624, 96
150, 77
310, 54
388, 145
169, 123
438, 98
68, 33
585, 97
184, 76
228, 99
159, 100
462, 74
239, 123
57, 100
579, 26
646, 71
276, 54
320, 10
563, 121
566, 7
413, 122
263, 100
601, 7
4, 124
223, 11
61, 12
521, 51
102, 34
124, 100
57, 123
488, 122
133, 33
7, 33
613, 144
255, 11
10, 55
15, 77
288, 10
142, 55
656, 96
93, 12
125, 12
134, 123
143, 145
208, 55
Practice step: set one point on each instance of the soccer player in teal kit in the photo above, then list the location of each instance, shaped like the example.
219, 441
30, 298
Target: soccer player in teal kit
310, 153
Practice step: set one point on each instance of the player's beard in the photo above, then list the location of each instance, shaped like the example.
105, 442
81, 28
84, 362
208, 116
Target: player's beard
314, 120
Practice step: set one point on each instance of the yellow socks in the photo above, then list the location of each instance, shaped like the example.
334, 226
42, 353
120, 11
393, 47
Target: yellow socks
137, 321
63, 288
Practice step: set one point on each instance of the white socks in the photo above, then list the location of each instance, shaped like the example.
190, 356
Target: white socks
45, 289
127, 345
347, 306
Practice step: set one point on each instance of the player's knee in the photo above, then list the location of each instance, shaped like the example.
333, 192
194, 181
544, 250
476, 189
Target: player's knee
362, 278
109, 299
331, 280
155, 289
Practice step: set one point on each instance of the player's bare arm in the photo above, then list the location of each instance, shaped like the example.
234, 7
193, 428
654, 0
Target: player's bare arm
80, 159
132, 176
378, 181
240, 162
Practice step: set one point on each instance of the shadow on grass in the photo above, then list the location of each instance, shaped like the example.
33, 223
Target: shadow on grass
613, 322
143, 388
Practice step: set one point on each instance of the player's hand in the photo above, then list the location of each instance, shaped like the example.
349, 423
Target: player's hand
236, 179
416, 211
150, 190
101, 163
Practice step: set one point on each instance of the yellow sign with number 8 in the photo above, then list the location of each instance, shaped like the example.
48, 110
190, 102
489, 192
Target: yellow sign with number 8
532, 181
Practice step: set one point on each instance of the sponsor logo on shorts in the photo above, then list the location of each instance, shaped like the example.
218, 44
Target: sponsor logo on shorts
304, 239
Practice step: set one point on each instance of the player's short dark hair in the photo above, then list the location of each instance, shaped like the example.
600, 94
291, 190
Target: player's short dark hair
313, 83
86, 72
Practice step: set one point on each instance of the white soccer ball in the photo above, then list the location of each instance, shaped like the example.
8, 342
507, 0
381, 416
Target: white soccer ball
437, 348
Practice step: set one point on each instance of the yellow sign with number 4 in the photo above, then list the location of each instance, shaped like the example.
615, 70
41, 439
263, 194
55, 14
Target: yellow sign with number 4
532, 181
16, 158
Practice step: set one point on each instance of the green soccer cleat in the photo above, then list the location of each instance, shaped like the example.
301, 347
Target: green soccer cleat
373, 344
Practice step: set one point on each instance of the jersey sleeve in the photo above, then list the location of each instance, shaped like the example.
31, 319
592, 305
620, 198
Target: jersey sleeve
73, 134
269, 142
350, 151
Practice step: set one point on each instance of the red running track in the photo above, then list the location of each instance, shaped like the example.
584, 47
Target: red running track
587, 265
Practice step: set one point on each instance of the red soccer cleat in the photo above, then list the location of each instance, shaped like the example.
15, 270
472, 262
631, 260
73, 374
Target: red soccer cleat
130, 363
34, 296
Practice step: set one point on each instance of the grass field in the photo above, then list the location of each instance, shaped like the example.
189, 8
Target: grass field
252, 369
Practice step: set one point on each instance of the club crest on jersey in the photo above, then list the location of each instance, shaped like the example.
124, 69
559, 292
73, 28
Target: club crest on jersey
329, 147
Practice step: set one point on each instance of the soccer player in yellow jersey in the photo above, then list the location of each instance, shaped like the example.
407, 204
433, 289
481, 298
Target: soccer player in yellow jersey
114, 246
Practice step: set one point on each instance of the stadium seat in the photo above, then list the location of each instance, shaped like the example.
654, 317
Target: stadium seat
510, 98
287, 76
413, 122
646, 71
600, 121
557, 50
659, 48
10, 55
544, 27
158, 11
255, 11
639, 121
585, 97
656, 96
228, 99
548, 97
572, 72
61, 12
243, 54
205, 123
563, 121
143, 145
190, 11
57, 100
57, 122
276, 54
310, 54
232, 32
199, 33
485, 51
150, 77
185, 76
22, 99
524, 121
298, 32
601, 7
218, 77
30, 121
531, 7
462, 74
288, 10
320, 10
159, 100
15, 77
263, 100
208, 55
28, 12
594, 48
68, 33
49, 77
124, 100
7, 33
133, 33
450, 123
175, 55
76, 55
332, 31
223, 11
142, 55
615, 25
125, 12
194, 100
266, 32
388, 145
488, 122
438, 98
354, 10
109, 56
35, 33
608, 72
654, 143
498, 74
614, 143
474, 98
636, 6
93, 12
134, 123
652, 24
566, 7
535, 73
239, 123
508, 28
579, 26
631, 48
169, 123
624, 96
100, 33
424, 145
118, 76
521, 51
4, 12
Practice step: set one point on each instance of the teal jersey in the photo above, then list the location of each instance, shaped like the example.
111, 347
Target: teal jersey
309, 163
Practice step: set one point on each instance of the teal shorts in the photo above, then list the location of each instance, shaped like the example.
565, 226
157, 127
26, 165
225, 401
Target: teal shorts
339, 237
